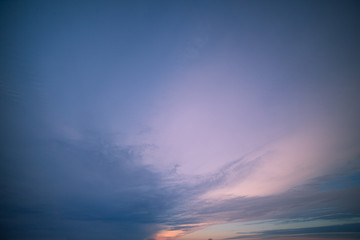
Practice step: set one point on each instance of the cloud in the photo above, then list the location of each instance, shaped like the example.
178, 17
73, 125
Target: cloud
286, 163
299, 205
344, 231
63, 188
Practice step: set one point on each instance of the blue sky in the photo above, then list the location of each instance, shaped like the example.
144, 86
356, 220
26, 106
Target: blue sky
180, 120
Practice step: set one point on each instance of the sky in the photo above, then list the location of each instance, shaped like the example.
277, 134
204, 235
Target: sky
179, 120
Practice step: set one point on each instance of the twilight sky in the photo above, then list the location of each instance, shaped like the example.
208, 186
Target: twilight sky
179, 120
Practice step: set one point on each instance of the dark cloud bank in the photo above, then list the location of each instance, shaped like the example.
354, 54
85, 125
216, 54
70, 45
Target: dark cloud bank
61, 189
345, 231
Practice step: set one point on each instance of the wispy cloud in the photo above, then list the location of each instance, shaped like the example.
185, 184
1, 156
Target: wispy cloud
346, 231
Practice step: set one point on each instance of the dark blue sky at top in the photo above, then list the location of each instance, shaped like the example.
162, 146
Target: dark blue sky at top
80, 80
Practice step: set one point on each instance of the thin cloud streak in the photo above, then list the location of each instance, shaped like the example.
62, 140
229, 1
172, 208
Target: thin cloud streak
346, 231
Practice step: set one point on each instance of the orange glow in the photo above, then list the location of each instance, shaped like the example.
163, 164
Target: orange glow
166, 234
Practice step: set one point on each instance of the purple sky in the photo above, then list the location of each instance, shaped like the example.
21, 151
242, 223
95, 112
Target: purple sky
182, 120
